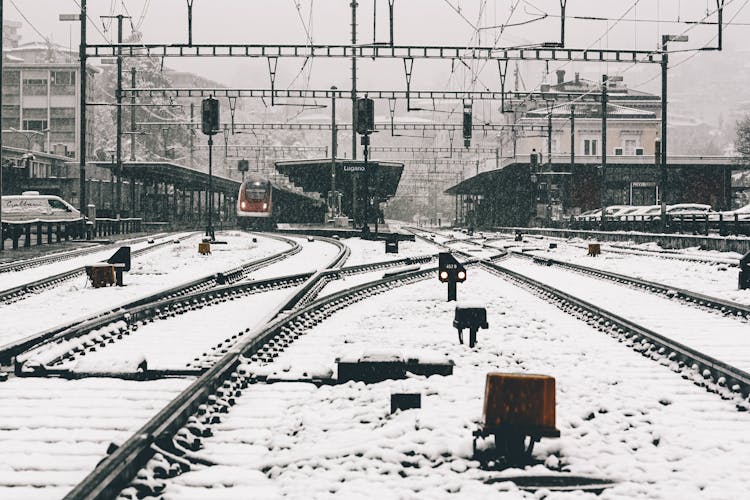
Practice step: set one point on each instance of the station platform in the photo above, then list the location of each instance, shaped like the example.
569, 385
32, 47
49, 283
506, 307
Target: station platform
384, 232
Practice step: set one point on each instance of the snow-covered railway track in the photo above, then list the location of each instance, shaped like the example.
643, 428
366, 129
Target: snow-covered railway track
711, 351
725, 307
20, 265
20, 292
54, 431
187, 419
85, 324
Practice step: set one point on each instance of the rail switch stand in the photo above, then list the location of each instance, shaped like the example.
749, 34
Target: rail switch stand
391, 245
517, 407
472, 318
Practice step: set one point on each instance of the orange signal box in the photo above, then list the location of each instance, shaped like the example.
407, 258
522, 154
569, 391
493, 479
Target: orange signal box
519, 399
204, 248
595, 249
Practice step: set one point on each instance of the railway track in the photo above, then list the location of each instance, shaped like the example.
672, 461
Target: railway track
21, 265
725, 307
692, 363
168, 439
162, 447
188, 416
232, 275
20, 292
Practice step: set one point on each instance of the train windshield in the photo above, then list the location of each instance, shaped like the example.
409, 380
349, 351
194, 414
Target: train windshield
255, 191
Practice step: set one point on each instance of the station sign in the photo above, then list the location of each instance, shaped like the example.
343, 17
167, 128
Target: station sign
353, 166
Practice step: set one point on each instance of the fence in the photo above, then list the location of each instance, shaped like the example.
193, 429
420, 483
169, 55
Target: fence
55, 231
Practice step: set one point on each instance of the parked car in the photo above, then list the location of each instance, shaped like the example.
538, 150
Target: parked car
589, 215
682, 209
742, 213
30, 206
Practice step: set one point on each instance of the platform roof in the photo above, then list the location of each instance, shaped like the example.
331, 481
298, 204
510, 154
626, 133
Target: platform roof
315, 175
172, 173
479, 183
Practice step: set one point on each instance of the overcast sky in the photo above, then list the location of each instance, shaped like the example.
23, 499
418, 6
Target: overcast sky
429, 22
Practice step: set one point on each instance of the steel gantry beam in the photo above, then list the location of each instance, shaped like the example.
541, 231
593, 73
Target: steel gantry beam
482, 127
375, 51
418, 149
434, 95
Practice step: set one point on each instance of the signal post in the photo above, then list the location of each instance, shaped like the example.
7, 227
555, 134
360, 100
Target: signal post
450, 271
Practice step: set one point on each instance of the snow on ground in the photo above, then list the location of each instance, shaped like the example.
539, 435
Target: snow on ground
188, 335
724, 338
53, 432
163, 268
622, 416
717, 280
16, 278
629, 247
365, 251
315, 255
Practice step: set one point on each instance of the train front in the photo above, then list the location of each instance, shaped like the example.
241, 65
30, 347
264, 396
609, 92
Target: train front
255, 204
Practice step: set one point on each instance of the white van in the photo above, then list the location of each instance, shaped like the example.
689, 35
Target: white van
31, 206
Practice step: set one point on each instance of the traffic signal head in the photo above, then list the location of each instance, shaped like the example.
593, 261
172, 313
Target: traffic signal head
365, 116
449, 269
210, 116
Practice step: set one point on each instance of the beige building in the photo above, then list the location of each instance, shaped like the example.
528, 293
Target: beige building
41, 99
633, 122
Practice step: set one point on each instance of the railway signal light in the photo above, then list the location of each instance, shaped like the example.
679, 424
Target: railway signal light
243, 165
365, 116
210, 116
467, 125
450, 271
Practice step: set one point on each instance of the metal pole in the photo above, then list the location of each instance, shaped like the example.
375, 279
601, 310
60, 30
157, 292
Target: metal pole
192, 132
2, 232
210, 228
354, 79
132, 116
355, 207
548, 204
82, 126
333, 153
118, 96
572, 151
663, 164
603, 189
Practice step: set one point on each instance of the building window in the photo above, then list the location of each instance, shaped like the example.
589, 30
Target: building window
63, 78
35, 86
35, 125
63, 82
590, 147
628, 146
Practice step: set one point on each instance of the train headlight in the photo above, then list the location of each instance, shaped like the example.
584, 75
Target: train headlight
265, 206
243, 205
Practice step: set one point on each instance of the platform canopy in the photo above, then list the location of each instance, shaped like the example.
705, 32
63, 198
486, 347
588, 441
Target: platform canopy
315, 175
172, 173
479, 184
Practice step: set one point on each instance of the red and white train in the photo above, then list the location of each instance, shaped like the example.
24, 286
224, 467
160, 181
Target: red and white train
255, 204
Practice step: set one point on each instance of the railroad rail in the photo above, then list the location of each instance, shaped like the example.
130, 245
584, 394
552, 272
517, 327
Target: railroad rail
729, 381
20, 292
39, 355
21, 265
190, 413
726, 307
9, 351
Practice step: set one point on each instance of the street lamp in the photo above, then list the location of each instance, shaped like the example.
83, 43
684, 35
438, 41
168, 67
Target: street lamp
28, 139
